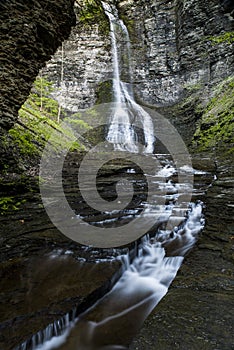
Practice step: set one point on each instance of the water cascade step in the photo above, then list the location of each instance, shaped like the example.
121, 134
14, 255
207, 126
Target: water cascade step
117, 317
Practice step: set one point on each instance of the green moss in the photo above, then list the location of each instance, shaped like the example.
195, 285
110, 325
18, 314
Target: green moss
104, 92
80, 124
37, 121
91, 12
8, 204
193, 87
216, 129
24, 140
227, 37
129, 22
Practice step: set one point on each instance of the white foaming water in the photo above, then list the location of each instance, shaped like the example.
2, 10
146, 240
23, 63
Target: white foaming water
54, 342
188, 169
52, 336
116, 318
142, 285
126, 112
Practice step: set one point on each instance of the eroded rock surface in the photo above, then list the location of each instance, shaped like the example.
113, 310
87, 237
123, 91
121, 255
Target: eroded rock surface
44, 275
197, 311
30, 33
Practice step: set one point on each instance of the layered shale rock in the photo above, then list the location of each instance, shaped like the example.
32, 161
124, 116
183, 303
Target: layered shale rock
176, 46
82, 66
30, 33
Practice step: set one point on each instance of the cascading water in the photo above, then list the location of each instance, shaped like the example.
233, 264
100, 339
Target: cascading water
116, 318
127, 113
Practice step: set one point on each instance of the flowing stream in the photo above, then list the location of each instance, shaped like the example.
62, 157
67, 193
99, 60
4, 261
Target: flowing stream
117, 317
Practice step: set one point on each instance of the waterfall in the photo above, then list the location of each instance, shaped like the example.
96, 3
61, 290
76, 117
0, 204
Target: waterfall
127, 114
117, 317
143, 284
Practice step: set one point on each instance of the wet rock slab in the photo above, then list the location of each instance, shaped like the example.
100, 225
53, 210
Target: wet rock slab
188, 319
197, 313
44, 275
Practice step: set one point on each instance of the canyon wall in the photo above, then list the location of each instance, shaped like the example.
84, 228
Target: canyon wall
181, 50
30, 33
176, 46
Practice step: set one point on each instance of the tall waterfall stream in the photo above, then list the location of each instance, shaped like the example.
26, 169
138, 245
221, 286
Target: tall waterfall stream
121, 133
117, 317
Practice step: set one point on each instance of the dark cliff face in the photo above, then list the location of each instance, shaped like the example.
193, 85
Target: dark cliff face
31, 31
227, 5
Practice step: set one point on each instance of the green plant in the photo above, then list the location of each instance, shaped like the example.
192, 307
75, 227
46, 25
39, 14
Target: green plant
227, 37
10, 204
40, 96
216, 129
91, 12
37, 121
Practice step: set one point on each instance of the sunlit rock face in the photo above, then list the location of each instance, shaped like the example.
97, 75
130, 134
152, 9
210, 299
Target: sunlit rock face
86, 63
30, 33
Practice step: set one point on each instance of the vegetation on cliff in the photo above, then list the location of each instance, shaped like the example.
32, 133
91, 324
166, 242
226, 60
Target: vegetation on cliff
91, 12
227, 37
25, 141
215, 130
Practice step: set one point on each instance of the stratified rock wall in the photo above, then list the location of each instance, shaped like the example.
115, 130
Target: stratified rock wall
85, 59
171, 46
31, 31
82, 62
172, 51
177, 47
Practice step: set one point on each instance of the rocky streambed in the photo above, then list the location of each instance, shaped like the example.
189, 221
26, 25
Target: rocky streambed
45, 275
197, 311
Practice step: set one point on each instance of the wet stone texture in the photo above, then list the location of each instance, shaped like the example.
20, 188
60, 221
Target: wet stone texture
45, 275
197, 313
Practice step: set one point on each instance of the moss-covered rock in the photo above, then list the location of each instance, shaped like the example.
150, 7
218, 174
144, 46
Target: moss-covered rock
104, 92
215, 131
91, 12
227, 37
25, 141
9, 204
